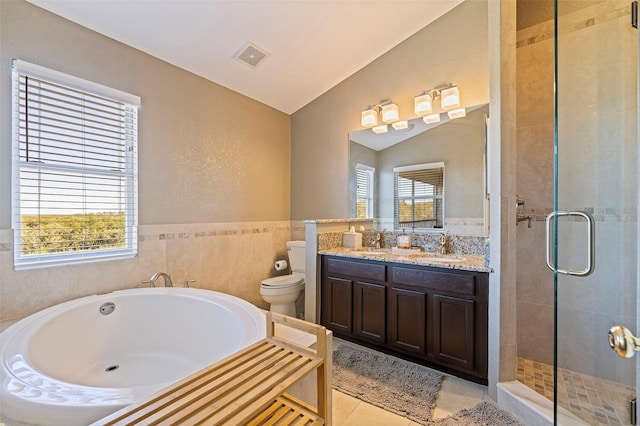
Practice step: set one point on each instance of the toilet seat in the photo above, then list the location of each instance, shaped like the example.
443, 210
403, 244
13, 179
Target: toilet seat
283, 281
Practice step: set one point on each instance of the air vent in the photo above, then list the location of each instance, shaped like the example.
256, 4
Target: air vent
251, 55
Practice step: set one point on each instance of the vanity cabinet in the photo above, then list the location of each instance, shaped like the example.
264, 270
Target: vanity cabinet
407, 320
369, 317
436, 316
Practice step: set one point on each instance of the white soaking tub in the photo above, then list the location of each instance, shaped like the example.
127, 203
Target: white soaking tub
76, 362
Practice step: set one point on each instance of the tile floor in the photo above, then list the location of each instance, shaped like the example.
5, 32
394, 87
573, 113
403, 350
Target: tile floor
455, 394
596, 401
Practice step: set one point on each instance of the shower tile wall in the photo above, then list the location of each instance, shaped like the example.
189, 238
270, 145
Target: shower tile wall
228, 257
588, 306
534, 294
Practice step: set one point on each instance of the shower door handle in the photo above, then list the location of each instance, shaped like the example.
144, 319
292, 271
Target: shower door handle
590, 244
623, 342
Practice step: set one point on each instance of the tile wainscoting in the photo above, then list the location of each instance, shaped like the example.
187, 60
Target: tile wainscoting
228, 257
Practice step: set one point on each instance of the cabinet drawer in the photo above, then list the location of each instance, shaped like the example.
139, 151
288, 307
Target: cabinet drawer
439, 281
368, 271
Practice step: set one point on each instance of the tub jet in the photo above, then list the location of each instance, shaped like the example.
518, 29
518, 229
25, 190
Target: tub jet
107, 308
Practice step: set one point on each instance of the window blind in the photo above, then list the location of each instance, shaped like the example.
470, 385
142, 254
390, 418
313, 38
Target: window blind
419, 196
364, 191
74, 172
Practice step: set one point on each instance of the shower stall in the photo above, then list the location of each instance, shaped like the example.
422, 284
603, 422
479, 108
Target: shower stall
577, 162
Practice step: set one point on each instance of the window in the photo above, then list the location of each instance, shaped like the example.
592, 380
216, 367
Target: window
74, 169
364, 192
419, 196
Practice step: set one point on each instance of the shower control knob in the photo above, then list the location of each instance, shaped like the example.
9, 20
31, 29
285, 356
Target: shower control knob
623, 342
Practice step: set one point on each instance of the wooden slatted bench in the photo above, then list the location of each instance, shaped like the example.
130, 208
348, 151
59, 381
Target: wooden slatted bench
247, 388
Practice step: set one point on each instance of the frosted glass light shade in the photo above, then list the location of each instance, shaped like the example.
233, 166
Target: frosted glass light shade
431, 118
390, 113
381, 129
423, 104
457, 113
400, 125
369, 118
450, 98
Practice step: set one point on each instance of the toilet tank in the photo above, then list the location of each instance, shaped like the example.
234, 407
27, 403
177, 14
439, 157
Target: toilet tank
296, 255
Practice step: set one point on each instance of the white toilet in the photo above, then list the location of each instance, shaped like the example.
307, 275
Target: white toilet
283, 291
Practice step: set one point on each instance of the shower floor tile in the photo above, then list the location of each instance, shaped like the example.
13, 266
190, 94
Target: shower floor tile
596, 401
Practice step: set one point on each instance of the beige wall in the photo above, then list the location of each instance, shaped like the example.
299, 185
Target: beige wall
453, 49
208, 156
535, 185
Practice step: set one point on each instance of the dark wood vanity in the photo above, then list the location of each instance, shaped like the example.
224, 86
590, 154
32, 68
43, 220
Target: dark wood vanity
435, 316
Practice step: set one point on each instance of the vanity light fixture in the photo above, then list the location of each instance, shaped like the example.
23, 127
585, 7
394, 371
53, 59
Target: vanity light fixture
383, 128
390, 113
449, 99
431, 118
387, 109
457, 113
401, 125
423, 104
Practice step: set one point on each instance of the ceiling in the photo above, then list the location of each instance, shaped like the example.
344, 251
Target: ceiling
313, 44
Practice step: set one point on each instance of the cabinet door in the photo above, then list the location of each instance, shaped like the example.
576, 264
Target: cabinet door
337, 303
370, 311
407, 319
454, 330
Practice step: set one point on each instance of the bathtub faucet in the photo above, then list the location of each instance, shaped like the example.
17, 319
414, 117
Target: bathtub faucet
154, 277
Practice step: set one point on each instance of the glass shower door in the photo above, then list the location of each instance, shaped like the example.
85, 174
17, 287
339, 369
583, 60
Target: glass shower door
593, 230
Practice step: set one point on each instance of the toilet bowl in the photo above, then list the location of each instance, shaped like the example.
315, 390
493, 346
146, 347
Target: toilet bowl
282, 292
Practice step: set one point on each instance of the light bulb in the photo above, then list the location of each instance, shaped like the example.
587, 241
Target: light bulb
450, 98
381, 129
400, 125
457, 113
369, 118
390, 113
423, 104
432, 118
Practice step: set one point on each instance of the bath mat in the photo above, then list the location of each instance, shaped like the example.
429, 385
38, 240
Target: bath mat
401, 387
485, 413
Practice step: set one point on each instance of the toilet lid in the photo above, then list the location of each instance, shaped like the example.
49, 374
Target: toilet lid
282, 281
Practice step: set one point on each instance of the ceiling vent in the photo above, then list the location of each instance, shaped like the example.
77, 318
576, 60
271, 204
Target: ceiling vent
251, 55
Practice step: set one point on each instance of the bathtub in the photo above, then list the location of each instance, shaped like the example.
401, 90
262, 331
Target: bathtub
76, 362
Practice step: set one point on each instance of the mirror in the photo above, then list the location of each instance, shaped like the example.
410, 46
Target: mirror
460, 144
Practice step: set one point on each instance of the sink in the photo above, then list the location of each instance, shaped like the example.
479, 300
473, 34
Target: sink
401, 251
446, 259
371, 251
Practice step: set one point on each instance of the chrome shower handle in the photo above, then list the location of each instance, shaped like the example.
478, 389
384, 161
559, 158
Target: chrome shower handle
590, 244
623, 342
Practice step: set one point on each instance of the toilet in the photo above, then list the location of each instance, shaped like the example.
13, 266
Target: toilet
283, 291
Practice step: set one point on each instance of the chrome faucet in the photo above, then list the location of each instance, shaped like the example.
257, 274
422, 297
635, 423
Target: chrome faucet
444, 243
154, 277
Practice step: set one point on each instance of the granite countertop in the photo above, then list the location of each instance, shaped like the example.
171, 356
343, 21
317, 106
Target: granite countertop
354, 220
450, 261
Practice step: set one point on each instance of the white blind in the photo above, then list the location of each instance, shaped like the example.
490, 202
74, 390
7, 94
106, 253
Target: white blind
74, 173
364, 191
419, 197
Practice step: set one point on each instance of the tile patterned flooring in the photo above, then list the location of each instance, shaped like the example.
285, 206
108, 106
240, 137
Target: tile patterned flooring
596, 401
455, 394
